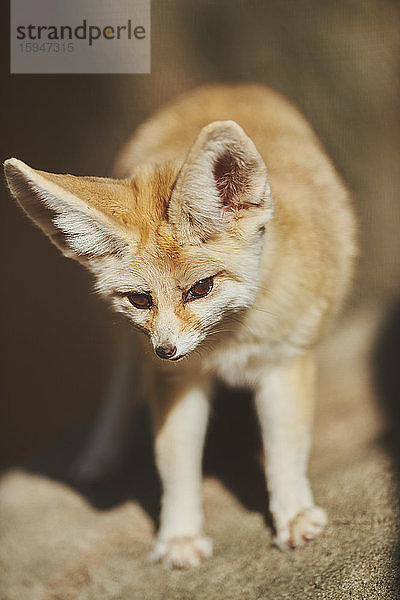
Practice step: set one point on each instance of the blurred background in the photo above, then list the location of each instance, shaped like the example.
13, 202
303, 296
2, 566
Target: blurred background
338, 61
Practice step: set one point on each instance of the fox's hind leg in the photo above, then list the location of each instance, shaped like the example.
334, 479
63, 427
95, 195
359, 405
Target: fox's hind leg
284, 401
180, 413
106, 445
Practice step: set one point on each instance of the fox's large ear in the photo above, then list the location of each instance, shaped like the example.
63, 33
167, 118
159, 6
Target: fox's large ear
223, 176
62, 206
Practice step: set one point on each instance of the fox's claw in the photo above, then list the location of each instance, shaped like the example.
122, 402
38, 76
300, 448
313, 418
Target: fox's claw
306, 525
182, 552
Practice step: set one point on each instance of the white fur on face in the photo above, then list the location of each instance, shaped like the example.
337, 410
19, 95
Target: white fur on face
171, 320
205, 223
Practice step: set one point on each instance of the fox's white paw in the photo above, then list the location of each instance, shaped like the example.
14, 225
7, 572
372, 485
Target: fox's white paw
182, 552
305, 526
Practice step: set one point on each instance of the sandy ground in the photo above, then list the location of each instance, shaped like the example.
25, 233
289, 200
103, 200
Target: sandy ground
61, 543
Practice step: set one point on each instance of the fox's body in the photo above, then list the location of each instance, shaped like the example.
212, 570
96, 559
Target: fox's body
231, 274
307, 257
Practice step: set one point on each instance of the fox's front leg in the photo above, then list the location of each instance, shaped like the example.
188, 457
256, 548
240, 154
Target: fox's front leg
284, 401
180, 413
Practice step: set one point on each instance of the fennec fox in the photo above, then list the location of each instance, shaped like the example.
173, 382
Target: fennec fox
229, 243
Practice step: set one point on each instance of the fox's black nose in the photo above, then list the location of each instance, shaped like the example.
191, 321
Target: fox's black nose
166, 351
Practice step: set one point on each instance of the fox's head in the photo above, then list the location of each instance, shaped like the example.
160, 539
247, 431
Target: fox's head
176, 248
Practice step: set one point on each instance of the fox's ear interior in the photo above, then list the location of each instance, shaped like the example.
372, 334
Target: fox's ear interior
223, 175
60, 206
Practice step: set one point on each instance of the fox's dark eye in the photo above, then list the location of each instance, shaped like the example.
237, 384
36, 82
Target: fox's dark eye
199, 289
139, 300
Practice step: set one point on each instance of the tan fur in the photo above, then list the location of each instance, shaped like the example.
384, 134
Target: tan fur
133, 203
313, 227
227, 182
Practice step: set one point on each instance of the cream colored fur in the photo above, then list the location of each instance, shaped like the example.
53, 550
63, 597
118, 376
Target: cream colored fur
196, 202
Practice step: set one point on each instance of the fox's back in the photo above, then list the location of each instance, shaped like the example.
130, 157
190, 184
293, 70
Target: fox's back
268, 118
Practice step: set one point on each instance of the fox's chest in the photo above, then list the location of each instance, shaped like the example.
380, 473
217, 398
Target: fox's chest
242, 363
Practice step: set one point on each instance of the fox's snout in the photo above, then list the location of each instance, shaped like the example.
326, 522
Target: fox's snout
166, 351
170, 337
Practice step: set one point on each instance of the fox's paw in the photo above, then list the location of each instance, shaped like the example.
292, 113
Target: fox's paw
182, 552
305, 526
